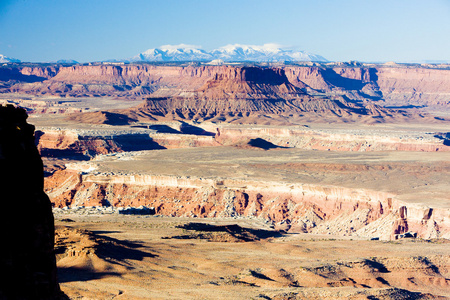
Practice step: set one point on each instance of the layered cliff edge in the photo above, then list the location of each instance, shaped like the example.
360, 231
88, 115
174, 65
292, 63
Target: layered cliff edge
310, 208
296, 190
398, 85
251, 95
27, 258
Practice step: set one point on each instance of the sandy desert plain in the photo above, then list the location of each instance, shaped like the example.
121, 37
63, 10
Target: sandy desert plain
249, 182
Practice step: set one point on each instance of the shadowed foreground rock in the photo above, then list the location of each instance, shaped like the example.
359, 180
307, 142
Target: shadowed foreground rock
27, 259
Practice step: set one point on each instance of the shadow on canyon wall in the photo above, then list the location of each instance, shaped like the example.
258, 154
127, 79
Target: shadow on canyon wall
137, 142
162, 129
444, 136
65, 154
87, 147
186, 128
337, 80
7, 74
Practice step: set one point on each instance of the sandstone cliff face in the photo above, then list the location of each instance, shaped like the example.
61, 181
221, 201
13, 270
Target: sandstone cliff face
69, 144
414, 86
311, 140
13, 75
332, 79
27, 259
133, 74
308, 76
253, 96
294, 207
397, 86
43, 72
83, 144
247, 83
126, 81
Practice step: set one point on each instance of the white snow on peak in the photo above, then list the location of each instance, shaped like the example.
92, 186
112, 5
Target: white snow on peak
5, 59
183, 47
228, 53
215, 62
180, 52
267, 48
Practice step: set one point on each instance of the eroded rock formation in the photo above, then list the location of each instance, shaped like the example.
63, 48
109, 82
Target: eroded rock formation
393, 84
293, 207
28, 268
322, 140
251, 95
85, 144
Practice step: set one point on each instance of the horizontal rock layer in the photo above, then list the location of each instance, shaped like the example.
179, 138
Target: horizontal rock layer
293, 207
396, 85
66, 143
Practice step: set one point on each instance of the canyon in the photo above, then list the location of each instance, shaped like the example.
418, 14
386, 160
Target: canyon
315, 155
388, 84
245, 183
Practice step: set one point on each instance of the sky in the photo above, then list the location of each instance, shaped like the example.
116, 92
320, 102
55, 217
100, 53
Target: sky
339, 30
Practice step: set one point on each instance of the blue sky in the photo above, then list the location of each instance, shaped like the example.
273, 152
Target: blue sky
91, 30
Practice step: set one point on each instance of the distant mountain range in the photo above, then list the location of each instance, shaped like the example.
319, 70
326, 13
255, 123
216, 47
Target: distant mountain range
66, 61
5, 59
229, 53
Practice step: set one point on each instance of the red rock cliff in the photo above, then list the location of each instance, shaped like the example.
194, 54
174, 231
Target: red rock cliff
396, 85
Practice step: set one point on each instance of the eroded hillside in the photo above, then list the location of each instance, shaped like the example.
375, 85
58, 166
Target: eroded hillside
393, 85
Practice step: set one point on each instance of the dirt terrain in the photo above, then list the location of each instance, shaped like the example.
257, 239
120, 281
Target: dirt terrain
126, 257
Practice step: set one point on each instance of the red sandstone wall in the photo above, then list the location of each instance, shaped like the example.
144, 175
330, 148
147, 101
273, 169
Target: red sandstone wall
298, 208
408, 85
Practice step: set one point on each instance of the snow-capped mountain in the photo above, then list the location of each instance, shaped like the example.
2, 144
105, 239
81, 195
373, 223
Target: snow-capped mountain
5, 59
264, 53
229, 53
66, 61
173, 53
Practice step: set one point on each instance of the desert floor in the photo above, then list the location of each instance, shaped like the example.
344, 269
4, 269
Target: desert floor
151, 257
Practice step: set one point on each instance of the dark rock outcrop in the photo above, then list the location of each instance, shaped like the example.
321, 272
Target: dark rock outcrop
27, 258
